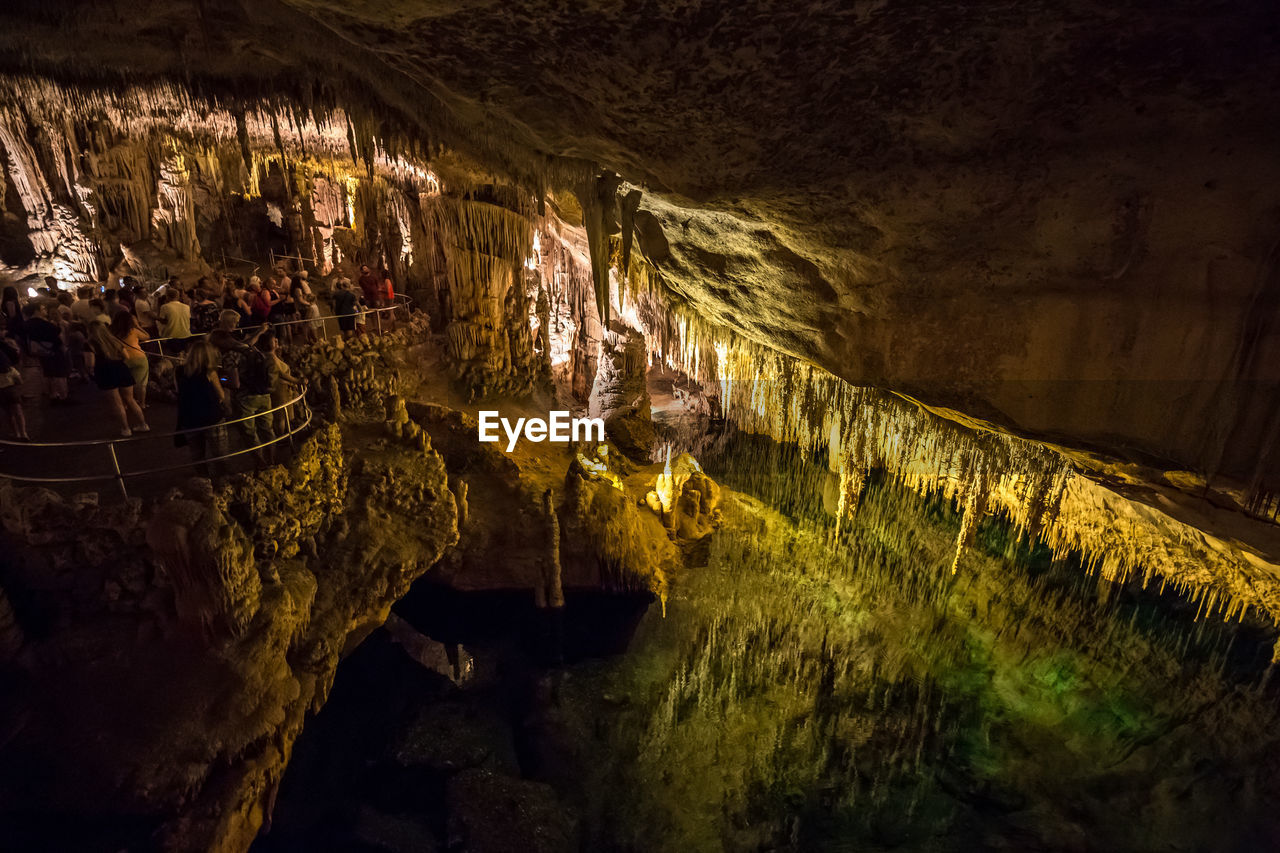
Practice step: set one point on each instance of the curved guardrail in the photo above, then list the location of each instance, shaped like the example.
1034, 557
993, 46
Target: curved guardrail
120, 474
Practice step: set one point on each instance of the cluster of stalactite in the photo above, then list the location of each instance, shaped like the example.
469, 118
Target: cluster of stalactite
485, 249
574, 333
985, 471
152, 181
96, 171
49, 215
150, 174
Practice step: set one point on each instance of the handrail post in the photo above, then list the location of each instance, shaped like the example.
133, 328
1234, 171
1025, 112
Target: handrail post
288, 426
115, 463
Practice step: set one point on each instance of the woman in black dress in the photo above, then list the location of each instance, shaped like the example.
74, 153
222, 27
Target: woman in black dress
201, 402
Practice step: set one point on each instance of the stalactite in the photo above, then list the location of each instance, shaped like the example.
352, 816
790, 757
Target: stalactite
986, 471
598, 198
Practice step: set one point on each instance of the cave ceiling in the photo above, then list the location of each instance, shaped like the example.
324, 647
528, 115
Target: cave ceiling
1057, 216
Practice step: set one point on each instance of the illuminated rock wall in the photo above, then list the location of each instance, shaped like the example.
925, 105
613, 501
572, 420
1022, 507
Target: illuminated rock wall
1125, 520
152, 177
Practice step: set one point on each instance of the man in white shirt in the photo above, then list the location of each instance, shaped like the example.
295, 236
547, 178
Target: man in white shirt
175, 317
81, 309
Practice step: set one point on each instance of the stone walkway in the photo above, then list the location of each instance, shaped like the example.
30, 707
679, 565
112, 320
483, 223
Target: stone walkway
87, 419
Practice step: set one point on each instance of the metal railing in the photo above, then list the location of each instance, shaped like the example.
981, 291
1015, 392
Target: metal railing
119, 474
400, 302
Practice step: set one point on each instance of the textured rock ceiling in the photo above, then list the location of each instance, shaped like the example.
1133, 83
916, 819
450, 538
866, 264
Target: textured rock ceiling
1059, 216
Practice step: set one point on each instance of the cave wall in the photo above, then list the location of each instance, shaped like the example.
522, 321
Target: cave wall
1125, 303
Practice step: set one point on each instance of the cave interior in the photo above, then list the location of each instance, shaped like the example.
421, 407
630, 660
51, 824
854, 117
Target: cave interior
934, 350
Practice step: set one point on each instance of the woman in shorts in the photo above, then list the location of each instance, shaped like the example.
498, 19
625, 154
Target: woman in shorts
112, 375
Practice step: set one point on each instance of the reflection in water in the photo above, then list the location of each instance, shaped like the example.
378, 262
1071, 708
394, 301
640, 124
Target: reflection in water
815, 690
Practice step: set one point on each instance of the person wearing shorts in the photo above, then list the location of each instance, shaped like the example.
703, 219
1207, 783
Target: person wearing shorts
44, 341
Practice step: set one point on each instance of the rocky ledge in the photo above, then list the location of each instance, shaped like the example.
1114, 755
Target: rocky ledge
159, 656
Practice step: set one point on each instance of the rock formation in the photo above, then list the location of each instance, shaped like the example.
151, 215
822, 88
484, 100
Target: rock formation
218, 616
865, 188
619, 395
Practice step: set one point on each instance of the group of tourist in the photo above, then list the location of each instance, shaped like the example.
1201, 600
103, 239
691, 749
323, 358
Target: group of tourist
98, 334
80, 335
223, 376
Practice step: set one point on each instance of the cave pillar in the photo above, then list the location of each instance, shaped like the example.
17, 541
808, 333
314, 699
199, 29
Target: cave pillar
173, 219
52, 218
620, 395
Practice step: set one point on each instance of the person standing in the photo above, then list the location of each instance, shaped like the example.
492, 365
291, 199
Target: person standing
302, 281
111, 299
126, 328
82, 309
233, 300
202, 404
283, 385
310, 309
387, 295
284, 313
175, 319
204, 312
370, 286
112, 375
11, 390
344, 306
249, 376
60, 313
44, 342
11, 314
145, 311
260, 304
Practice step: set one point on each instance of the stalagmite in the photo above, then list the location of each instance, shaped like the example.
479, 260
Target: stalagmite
554, 591
460, 499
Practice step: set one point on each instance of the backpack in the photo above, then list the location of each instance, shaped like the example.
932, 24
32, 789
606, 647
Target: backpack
254, 376
40, 349
204, 318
